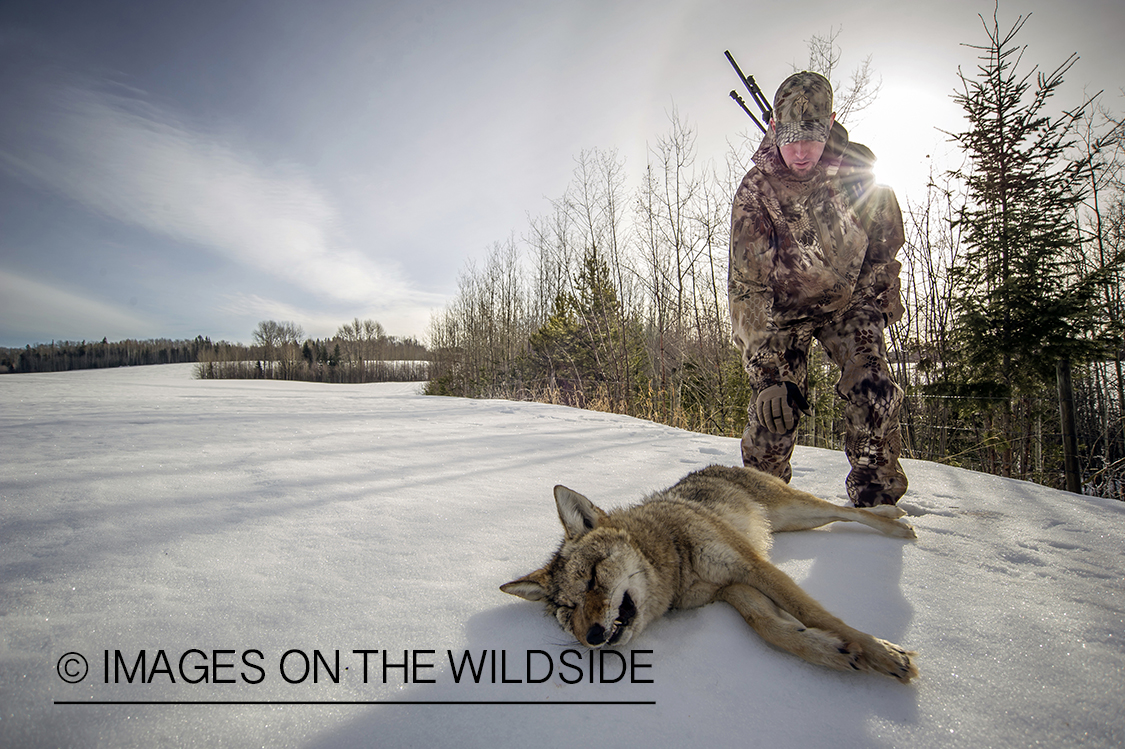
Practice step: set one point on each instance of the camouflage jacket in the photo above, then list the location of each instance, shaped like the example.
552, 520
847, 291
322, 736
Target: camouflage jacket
806, 249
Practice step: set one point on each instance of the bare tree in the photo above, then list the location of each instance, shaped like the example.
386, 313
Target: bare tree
596, 201
268, 336
863, 85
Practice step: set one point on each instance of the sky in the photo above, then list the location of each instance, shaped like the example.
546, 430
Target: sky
144, 511
173, 169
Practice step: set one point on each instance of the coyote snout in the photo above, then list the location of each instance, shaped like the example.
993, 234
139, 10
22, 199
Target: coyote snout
589, 622
705, 539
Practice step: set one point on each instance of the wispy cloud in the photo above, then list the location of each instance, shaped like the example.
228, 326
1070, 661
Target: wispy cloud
138, 163
316, 323
35, 311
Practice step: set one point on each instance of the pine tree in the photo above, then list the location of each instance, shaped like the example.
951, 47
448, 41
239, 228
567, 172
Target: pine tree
1022, 304
586, 344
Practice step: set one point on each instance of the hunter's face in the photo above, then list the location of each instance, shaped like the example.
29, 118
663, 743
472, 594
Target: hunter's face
802, 155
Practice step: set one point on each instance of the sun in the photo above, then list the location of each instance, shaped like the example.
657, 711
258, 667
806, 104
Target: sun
904, 130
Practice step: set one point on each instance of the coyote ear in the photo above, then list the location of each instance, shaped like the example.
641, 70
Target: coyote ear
531, 587
578, 514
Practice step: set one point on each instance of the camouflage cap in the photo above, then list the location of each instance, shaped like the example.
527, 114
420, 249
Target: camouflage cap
802, 108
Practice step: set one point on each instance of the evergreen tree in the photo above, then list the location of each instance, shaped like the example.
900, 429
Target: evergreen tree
587, 342
1022, 303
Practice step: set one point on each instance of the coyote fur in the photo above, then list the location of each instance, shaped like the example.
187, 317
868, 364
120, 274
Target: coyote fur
705, 539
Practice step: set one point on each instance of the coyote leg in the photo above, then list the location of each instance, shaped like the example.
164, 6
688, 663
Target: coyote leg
790, 509
802, 511
815, 645
782, 630
766, 590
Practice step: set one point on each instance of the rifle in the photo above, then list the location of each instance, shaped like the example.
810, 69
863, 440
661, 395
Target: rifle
755, 94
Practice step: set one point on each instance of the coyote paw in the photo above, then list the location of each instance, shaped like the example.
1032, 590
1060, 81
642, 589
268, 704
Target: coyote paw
824, 648
893, 512
888, 521
882, 657
904, 530
859, 652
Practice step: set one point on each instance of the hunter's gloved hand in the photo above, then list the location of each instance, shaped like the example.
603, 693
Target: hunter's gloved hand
778, 405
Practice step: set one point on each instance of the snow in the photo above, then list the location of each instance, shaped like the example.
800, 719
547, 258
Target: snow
143, 510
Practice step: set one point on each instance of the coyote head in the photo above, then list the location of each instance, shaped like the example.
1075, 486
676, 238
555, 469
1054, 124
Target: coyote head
596, 584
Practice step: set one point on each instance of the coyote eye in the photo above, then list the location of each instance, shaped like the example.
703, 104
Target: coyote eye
592, 583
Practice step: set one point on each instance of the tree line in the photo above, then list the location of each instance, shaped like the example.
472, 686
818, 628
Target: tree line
62, 356
615, 299
361, 351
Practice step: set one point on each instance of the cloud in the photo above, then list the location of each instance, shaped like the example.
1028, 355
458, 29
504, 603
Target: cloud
34, 311
316, 324
135, 162
404, 319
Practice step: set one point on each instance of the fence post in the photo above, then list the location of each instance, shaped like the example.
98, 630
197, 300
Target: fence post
1066, 416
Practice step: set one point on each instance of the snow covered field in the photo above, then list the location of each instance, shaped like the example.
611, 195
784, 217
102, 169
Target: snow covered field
229, 532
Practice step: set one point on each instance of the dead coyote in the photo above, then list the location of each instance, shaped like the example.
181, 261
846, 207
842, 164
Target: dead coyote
705, 539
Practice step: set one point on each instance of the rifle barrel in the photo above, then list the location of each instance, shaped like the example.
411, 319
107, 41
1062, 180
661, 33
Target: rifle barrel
755, 93
734, 95
730, 58
759, 98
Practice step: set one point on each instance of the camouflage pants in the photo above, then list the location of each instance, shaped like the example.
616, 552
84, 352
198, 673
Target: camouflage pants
854, 341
